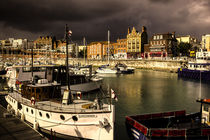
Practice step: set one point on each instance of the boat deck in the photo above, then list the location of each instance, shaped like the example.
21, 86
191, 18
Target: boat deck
78, 106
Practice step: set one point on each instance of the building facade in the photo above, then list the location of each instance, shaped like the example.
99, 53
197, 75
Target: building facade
100, 50
135, 42
186, 39
42, 42
121, 49
162, 45
205, 43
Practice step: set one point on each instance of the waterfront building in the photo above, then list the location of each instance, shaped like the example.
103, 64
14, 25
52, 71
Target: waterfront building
205, 43
45, 41
121, 49
162, 45
99, 50
186, 39
95, 50
135, 42
71, 48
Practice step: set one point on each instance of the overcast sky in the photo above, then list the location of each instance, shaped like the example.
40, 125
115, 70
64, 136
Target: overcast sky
92, 18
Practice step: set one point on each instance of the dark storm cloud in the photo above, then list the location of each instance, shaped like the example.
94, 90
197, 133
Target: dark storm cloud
37, 14
92, 18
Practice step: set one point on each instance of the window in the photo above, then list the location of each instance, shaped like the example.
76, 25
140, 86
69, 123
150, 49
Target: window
62, 117
154, 37
32, 112
40, 114
47, 115
26, 109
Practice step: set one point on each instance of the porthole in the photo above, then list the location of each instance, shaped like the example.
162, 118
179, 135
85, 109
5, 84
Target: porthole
47, 115
75, 118
62, 117
27, 109
32, 112
40, 114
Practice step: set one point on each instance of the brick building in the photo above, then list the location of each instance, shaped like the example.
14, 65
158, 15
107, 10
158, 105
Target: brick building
161, 45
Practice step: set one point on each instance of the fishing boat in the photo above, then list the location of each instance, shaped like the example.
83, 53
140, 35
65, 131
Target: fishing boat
176, 125
200, 68
43, 104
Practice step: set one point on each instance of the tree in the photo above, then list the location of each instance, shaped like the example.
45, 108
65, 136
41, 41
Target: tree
184, 49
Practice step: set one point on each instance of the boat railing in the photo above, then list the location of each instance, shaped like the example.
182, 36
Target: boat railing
52, 106
160, 115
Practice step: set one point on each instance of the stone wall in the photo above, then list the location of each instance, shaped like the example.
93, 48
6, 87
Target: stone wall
162, 65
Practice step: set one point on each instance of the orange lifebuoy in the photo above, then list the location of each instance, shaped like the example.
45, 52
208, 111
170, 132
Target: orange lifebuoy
33, 101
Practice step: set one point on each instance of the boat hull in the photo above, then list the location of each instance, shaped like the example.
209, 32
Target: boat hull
165, 126
194, 74
85, 126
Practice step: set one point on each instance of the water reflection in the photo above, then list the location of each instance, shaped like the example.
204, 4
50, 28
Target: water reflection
153, 91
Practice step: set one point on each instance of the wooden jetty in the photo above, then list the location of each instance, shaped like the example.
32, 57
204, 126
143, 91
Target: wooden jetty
11, 128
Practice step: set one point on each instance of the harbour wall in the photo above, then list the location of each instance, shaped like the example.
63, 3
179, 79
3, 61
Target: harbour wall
160, 65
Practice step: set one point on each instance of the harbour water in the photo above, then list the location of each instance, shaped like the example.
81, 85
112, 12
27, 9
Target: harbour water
153, 91
148, 91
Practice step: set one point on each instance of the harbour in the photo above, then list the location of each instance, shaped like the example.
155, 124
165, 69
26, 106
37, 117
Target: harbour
148, 91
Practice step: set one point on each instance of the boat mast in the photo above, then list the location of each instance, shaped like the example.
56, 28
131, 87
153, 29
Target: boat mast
84, 42
32, 61
108, 44
67, 62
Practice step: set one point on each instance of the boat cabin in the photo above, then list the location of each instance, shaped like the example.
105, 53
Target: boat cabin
205, 111
42, 91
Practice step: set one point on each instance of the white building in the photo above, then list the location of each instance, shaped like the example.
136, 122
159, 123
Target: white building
205, 43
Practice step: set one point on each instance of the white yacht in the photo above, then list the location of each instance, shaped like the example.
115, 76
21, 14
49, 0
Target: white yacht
106, 69
43, 105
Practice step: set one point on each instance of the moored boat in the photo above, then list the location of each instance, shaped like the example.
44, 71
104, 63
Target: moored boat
124, 69
105, 69
171, 125
47, 108
200, 68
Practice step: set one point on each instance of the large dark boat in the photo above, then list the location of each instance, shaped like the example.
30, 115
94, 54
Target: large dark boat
176, 125
197, 69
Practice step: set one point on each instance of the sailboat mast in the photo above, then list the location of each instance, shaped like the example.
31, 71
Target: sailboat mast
32, 62
108, 44
67, 57
84, 42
